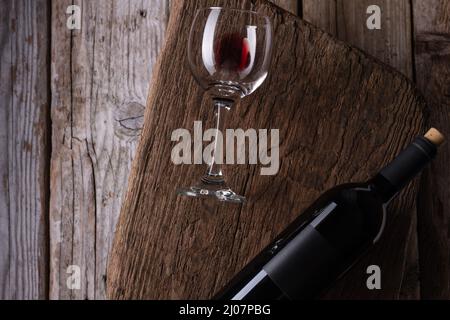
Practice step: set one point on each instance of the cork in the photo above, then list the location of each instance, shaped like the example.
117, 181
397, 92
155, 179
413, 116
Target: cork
435, 137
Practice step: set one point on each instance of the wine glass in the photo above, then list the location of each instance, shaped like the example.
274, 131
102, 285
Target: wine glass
229, 54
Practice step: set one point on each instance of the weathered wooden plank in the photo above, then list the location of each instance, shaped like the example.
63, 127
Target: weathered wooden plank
392, 44
171, 247
24, 116
99, 79
289, 5
321, 13
432, 42
347, 19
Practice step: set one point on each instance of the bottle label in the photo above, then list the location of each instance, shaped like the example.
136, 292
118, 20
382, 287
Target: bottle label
304, 266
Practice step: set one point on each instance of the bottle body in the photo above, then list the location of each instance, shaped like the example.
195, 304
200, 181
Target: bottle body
315, 249
329, 237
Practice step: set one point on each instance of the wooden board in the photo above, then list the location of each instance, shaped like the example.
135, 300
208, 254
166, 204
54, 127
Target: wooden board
347, 19
432, 42
341, 116
100, 78
24, 116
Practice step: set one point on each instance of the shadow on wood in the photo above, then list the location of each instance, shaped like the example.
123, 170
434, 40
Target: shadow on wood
341, 114
432, 41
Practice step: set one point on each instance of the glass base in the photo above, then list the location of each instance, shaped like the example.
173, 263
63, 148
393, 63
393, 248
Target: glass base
218, 192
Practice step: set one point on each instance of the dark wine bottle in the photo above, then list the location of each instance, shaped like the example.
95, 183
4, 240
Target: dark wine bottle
328, 238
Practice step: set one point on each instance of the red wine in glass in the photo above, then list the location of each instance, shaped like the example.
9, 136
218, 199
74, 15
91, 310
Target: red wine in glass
232, 53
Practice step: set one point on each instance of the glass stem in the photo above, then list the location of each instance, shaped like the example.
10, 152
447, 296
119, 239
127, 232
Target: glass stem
214, 173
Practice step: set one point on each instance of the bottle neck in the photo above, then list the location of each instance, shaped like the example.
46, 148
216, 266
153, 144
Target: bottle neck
383, 188
408, 164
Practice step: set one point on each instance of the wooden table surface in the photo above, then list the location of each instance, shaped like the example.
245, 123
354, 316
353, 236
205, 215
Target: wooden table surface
72, 102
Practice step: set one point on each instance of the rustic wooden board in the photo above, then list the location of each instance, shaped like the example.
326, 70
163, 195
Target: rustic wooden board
346, 19
432, 41
337, 110
24, 115
100, 78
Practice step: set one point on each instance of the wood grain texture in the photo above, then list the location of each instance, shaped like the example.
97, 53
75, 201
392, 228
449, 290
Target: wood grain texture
346, 19
288, 5
24, 109
321, 13
337, 110
99, 79
432, 42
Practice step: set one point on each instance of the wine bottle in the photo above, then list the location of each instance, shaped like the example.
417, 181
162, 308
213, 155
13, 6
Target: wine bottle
328, 238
